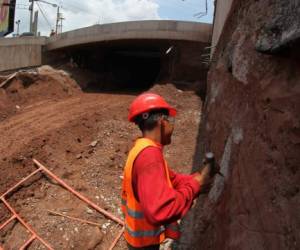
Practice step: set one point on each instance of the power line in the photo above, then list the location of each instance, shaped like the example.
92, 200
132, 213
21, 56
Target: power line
63, 6
23, 5
44, 15
202, 13
69, 7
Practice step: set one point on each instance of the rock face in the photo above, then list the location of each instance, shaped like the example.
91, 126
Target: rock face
281, 28
251, 122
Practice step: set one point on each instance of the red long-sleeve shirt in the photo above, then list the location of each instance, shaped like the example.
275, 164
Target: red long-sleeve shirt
160, 203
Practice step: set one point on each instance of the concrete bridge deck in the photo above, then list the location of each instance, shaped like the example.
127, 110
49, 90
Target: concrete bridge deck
23, 52
143, 30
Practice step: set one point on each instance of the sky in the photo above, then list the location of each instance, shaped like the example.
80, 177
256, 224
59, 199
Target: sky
82, 13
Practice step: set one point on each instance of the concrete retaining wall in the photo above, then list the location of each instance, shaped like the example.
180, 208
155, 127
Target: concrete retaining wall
21, 52
222, 10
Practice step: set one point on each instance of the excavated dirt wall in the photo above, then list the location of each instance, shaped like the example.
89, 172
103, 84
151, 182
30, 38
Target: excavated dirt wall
251, 122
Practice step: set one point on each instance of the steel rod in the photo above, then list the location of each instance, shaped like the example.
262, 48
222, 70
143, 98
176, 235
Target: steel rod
25, 224
70, 189
20, 182
7, 222
28, 242
80, 196
117, 239
74, 218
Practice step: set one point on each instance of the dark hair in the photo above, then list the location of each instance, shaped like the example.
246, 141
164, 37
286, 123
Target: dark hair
147, 121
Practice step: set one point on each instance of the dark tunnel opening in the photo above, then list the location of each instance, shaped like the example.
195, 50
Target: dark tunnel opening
132, 67
137, 69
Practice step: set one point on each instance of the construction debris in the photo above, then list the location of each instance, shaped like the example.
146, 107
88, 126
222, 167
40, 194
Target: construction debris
94, 143
12, 76
26, 87
74, 218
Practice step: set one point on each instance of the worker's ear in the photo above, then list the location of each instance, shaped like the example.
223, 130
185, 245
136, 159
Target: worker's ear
164, 125
162, 121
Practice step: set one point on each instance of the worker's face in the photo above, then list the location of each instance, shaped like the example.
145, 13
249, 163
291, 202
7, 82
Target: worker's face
167, 127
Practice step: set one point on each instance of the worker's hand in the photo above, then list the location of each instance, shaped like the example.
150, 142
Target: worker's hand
204, 179
203, 176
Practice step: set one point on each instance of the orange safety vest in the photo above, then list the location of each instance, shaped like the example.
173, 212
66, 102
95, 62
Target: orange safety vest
138, 231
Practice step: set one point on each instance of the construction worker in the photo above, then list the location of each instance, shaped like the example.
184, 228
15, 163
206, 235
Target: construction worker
153, 196
53, 33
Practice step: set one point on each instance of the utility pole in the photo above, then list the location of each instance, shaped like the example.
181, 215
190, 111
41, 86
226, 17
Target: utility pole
35, 23
18, 27
59, 20
31, 8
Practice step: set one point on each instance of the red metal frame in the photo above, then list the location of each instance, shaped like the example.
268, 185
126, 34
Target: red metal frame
34, 236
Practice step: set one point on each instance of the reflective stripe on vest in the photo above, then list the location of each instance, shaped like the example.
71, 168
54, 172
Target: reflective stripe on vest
145, 233
132, 213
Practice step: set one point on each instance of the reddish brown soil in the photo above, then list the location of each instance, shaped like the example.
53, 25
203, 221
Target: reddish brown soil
55, 122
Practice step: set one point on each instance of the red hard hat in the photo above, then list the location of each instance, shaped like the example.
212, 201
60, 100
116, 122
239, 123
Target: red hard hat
147, 102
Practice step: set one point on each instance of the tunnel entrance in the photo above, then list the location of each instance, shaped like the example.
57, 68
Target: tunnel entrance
120, 66
135, 65
137, 69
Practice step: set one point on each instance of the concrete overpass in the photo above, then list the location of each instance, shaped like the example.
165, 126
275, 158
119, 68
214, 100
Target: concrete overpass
135, 30
128, 52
